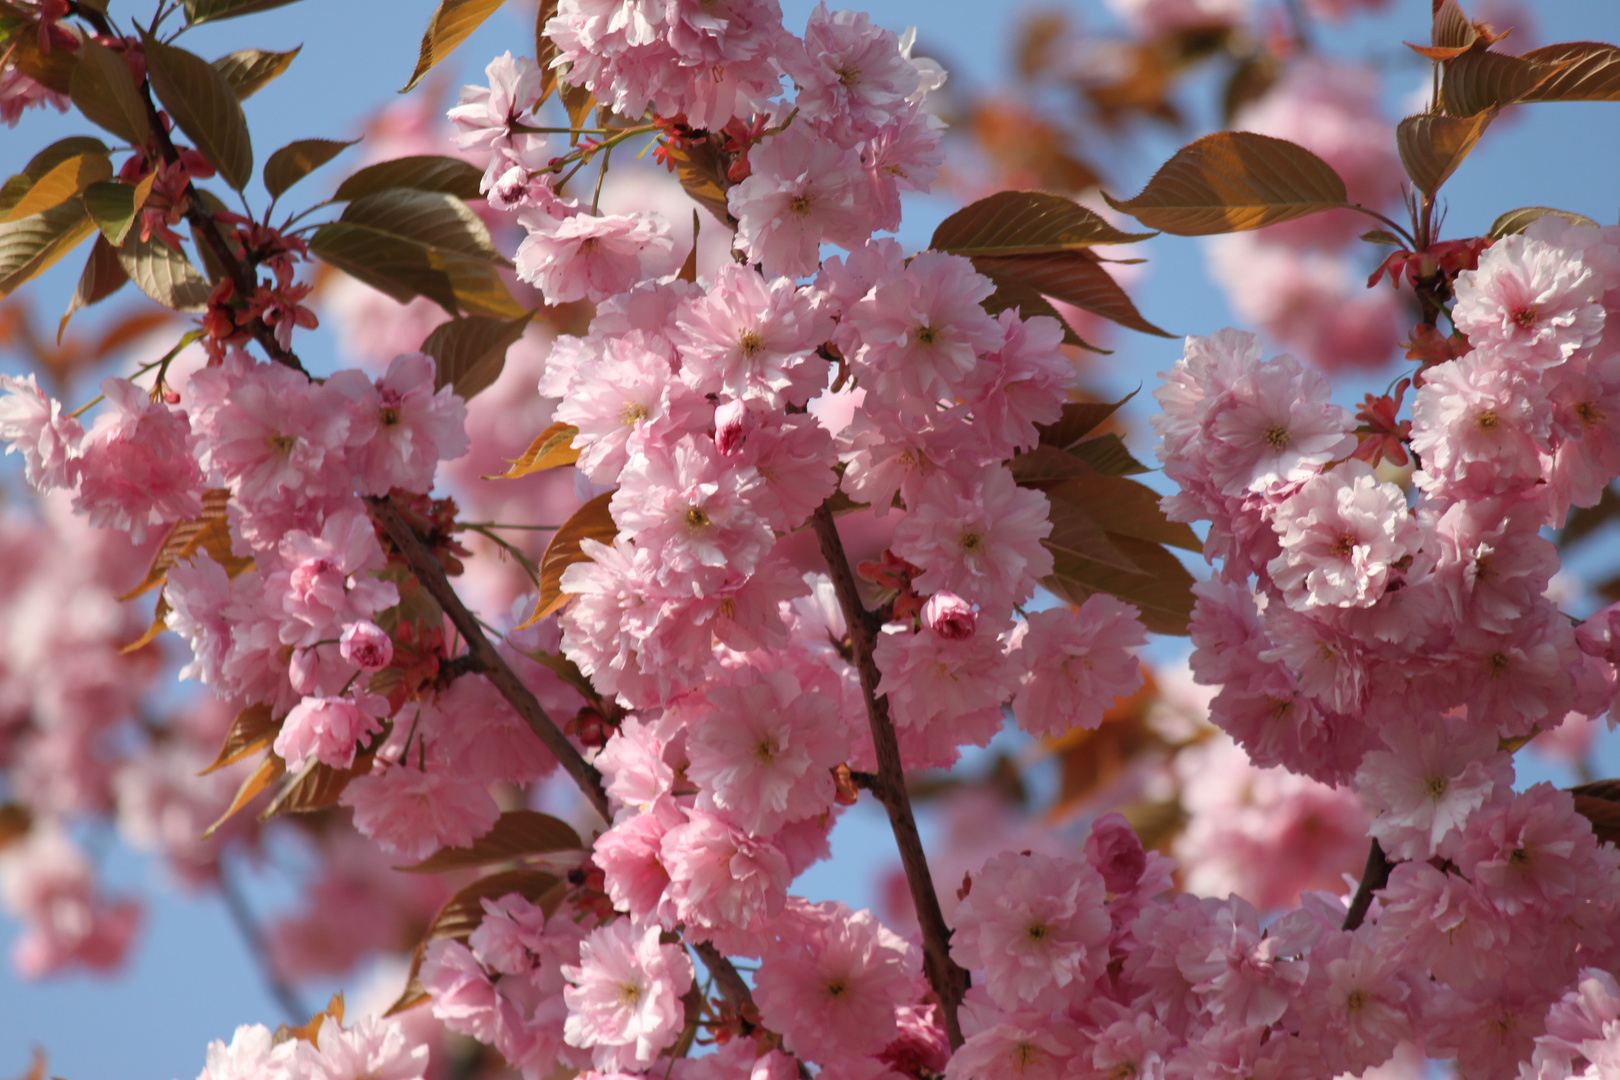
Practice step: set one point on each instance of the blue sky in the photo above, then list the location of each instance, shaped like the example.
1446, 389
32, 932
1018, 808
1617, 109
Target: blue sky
191, 979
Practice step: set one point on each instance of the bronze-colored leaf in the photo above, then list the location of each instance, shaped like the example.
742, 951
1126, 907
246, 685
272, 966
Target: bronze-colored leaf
551, 448
311, 1031
545, 50
688, 271
102, 276
1384, 237
516, 833
56, 185
1025, 223
207, 532
105, 91
297, 160
1516, 221
1251, 80
269, 771
1599, 789
1477, 80
1232, 181
42, 163
451, 24
1126, 507
254, 729
1079, 419
590, 522
159, 624
247, 71
317, 787
702, 173
1029, 303
419, 243
1604, 816
1075, 277
579, 104
1077, 539
204, 106
32, 245
1432, 146
1587, 71
1107, 455
1451, 28
1042, 467
164, 274
198, 11
21, 50
1163, 593
15, 821
419, 172
470, 353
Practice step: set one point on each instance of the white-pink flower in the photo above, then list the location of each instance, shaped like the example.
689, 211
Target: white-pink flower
851, 75
800, 192
1077, 665
1342, 534
752, 338
1530, 304
329, 730
1436, 772
588, 257
624, 998
33, 424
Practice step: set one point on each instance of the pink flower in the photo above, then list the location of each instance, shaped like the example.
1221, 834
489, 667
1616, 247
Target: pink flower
413, 813
400, 428
1492, 562
1023, 383
329, 730
1535, 853
1077, 665
1024, 1045
624, 1003
1342, 534
1479, 428
852, 79
374, 1049
366, 646
623, 398
692, 507
628, 854
980, 539
1530, 304
32, 423
1115, 851
135, 467
590, 257
253, 1054
762, 750
484, 114
752, 338
801, 190
922, 330
1273, 427
1436, 773
942, 691
1037, 927
724, 883
795, 457
833, 989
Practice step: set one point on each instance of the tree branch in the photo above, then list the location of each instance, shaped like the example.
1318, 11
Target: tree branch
949, 979
248, 927
1373, 878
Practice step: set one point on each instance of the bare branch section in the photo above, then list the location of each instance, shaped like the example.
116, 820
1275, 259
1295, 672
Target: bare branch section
949, 979
1373, 878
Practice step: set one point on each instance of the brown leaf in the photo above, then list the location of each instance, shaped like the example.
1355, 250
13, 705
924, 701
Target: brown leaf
1125, 507
1079, 419
247, 71
1077, 539
105, 91
15, 821
159, 624
207, 532
470, 353
1451, 28
688, 270
203, 105
1516, 221
1432, 146
297, 160
59, 184
1587, 71
102, 276
254, 729
703, 174
545, 50
198, 11
1232, 181
590, 522
451, 24
1585, 520
311, 1031
269, 771
1476, 80
33, 245
1106, 454
1075, 277
164, 274
1163, 592
550, 449
419, 172
1604, 815
1029, 303
1025, 223
515, 834
317, 787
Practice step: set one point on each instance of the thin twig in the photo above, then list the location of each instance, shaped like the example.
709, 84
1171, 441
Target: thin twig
248, 927
949, 979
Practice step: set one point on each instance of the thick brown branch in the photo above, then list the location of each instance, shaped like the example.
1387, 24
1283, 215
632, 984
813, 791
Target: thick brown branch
1373, 878
949, 979
726, 977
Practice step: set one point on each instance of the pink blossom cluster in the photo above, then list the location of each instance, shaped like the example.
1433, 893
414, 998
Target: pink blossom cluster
375, 1049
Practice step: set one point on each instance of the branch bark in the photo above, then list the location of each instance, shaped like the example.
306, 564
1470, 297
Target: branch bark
948, 979
1373, 878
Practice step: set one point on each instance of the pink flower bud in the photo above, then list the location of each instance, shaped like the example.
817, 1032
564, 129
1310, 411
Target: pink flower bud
949, 616
366, 646
1599, 636
731, 425
1115, 852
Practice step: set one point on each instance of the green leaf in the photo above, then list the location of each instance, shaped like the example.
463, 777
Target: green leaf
515, 834
164, 274
590, 522
1075, 277
1233, 181
470, 353
30, 246
53, 187
422, 172
247, 71
1162, 593
1432, 146
1025, 223
1516, 221
204, 106
102, 276
105, 91
297, 160
199, 11
419, 243
114, 206
451, 23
